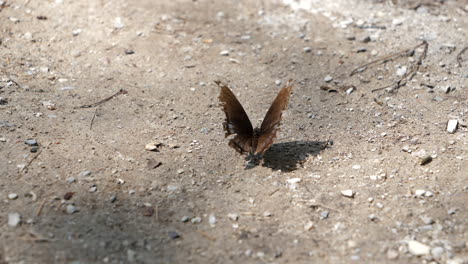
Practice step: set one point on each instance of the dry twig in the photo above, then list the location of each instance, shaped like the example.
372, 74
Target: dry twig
459, 56
121, 91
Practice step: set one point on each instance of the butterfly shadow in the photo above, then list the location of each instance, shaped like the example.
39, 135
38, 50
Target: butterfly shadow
288, 156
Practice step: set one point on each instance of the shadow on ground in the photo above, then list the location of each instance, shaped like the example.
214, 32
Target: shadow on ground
288, 156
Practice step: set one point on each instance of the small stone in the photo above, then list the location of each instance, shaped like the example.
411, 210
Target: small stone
348, 193
196, 220
92, 189
429, 194
153, 146
426, 219
293, 180
224, 53
71, 209
12, 196
212, 219
174, 235
76, 32
366, 39
75, 53
452, 211
267, 214
129, 52
113, 198
180, 171
425, 160
131, 255
85, 173
2, 139
307, 49
361, 50
373, 217
14, 219
309, 226
328, 78
324, 215
172, 187
350, 90
118, 23
31, 142
419, 192
392, 254
233, 216
418, 249
34, 149
278, 82
356, 167
70, 180
437, 252
401, 71
185, 219
452, 126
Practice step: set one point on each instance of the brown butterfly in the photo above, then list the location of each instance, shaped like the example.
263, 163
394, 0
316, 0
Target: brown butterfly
247, 139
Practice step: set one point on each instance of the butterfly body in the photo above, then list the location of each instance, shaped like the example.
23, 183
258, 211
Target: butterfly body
254, 141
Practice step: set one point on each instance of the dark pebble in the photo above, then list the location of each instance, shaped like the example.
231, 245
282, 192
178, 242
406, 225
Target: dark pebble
34, 149
129, 51
174, 235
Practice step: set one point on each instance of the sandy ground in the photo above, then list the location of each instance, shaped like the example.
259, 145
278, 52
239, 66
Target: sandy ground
342, 184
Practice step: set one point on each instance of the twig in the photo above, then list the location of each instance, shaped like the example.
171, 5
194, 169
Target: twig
387, 58
273, 192
92, 119
206, 235
411, 71
121, 91
30, 161
459, 56
41, 206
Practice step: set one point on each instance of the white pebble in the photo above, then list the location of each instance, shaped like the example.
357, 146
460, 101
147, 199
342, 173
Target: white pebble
233, 216
401, 71
14, 219
328, 78
308, 226
418, 249
224, 53
307, 49
348, 193
118, 23
452, 126
356, 167
212, 219
71, 209
278, 82
180, 171
293, 180
419, 192
12, 196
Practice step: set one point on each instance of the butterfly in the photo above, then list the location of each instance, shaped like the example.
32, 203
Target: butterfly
247, 139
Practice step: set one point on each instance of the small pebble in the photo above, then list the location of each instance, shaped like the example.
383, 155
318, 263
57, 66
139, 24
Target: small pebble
350, 90
70, 180
180, 171
307, 49
224, 53
153, 146
324, 215
92, 189
113, 198
31, 142
401, 71
328, 78
185, 219
293, 180
309, 226
418, 249
12, 196
174, 235
84, 174
118, 23
14, 219
212, 219
71, 209
278, 82
356, 167
392, 254
419, 192
437, 252
196, 220
348, 193
452, 126
426, 219
233, 216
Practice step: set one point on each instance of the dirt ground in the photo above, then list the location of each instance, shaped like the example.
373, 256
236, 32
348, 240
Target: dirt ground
343, 182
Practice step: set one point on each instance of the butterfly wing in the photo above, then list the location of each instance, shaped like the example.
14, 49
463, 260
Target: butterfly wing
237, 122
272, 120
